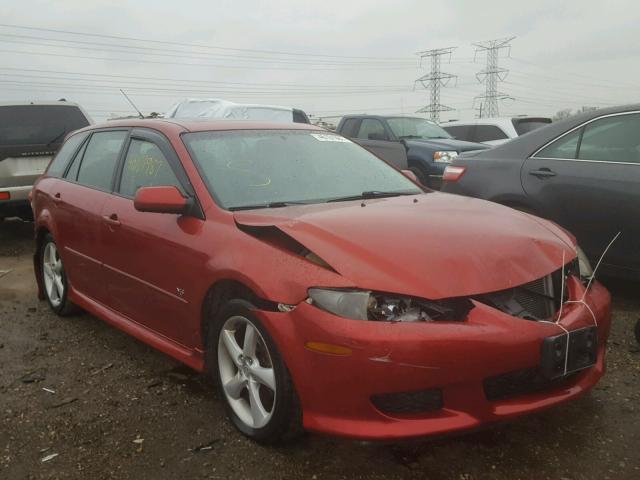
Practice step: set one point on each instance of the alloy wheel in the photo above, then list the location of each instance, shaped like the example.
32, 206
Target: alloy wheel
246, 372
53, 272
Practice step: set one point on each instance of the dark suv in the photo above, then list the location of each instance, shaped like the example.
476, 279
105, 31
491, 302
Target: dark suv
413, 143
30, 134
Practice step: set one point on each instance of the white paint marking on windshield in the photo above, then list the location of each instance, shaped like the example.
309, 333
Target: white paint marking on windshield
327, 137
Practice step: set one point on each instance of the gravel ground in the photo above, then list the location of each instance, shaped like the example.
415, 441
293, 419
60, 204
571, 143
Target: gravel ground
79, 399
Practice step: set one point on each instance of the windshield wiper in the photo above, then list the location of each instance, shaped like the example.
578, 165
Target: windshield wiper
266, 205
370, 194
57, 137
409, 136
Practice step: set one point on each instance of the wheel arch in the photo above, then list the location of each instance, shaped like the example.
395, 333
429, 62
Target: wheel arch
41, 232
219, 293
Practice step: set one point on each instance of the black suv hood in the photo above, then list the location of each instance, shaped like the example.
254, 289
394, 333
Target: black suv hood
446, 144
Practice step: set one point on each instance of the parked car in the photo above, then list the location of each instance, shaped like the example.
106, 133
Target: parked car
418, 144
215, 108
583, 173
30, 134
494, 131
319, 286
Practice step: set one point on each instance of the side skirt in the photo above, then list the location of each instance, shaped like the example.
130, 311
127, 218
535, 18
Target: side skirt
192, 358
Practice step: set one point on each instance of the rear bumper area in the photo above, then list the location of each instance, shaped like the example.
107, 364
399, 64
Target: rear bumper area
18, 203
445, 365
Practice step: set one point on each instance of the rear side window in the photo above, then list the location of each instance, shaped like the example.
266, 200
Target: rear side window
612, 139
145, 166
564, 147
349, 127
461, 132
372, 129
66, 153
38, 124
488, 133
100, 158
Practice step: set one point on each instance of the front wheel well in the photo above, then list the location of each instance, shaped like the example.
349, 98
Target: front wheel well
219, 294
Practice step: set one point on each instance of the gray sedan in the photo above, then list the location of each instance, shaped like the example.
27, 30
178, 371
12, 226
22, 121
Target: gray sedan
583, 173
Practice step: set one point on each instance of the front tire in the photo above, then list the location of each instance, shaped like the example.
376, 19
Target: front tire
54, 278
258, 392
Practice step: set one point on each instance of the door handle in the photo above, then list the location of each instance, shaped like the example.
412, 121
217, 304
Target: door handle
111, 220
542, 173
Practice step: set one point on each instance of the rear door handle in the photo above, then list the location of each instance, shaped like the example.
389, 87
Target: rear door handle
542, 173
111, 220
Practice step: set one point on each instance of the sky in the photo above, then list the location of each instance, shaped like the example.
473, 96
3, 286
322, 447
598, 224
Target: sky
328, 58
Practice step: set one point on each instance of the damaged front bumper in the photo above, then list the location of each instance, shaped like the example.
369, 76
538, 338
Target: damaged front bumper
452, 376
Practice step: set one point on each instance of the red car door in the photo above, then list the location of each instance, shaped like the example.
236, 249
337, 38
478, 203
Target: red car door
78, 201
149, 262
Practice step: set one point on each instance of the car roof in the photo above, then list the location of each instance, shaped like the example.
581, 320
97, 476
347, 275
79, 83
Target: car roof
40, 104
525, 145
173, 125
492, 120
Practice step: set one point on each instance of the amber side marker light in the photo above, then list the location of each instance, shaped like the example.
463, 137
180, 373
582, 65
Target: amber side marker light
5, 196
453, 173
328, 348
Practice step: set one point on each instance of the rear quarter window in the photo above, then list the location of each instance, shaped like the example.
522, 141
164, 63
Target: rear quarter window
59, 163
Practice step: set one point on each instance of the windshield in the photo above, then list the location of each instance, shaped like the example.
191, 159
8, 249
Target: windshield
406, 127
264, 167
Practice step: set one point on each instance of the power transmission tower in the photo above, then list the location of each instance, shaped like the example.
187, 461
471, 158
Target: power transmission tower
434, 80
491, 75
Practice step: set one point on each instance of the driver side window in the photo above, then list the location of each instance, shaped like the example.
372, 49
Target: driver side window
146, 166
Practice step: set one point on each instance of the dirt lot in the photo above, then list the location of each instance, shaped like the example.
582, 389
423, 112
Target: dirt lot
115, 408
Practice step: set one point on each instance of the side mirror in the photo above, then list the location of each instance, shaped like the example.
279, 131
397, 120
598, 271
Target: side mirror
410, 175
160, 200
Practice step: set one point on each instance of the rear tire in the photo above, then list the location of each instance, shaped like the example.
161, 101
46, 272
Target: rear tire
257, 389
54, 278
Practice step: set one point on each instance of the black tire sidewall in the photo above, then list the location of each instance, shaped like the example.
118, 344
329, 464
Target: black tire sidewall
61, 308
281, 418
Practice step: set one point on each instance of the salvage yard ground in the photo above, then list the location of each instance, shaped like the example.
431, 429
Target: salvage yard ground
79, 399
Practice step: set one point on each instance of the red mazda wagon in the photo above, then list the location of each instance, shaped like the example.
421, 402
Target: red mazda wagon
319, 286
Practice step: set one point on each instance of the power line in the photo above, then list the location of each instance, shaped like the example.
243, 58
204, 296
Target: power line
434, 80
189, 45
174, 53
186, 81
491, 75
242, 67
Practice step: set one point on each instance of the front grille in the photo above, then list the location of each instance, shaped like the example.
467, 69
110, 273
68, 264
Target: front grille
422, 401
536, 300
520, 382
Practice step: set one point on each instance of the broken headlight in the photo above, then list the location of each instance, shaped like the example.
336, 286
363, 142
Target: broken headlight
367, 305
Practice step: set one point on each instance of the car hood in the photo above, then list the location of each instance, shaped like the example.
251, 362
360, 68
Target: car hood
434, 245
447, 144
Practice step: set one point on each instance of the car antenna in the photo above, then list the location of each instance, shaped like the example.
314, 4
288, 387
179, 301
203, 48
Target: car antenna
132, 104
